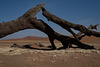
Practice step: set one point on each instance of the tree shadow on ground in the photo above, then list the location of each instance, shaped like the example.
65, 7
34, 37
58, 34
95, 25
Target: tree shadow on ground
38, 47
30, 46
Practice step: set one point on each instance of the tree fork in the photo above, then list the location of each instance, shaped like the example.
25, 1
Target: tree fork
67, 25
80, 36
28, 21
65, 40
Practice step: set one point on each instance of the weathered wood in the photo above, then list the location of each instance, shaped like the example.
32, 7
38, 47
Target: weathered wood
80, 36
67, 25
33, 23
65, 40
90, 27
10, 27
28, 21
21, 23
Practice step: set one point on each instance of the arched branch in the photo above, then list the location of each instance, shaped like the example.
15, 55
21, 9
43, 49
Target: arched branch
30, 22
21, 23
67, 25
65, 40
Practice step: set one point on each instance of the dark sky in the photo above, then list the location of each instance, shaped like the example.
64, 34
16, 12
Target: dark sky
83, 12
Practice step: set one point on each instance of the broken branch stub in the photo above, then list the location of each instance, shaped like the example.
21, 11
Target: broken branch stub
67, 25
90, 27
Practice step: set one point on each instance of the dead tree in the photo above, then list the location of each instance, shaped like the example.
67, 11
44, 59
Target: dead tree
42, 26
65, 40
80, 36
28, 21
21, 23
67, 25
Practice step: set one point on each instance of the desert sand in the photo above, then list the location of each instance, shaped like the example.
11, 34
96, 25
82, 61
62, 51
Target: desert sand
42, 56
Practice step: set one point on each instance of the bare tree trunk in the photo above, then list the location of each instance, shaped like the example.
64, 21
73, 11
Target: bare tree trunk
10, 27
29, 22
21, 23
67, 25
65, 40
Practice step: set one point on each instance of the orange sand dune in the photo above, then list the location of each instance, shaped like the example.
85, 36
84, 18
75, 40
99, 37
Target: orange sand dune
91, 39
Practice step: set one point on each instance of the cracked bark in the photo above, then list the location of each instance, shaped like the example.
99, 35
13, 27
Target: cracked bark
21, 23
28, 21
32, 23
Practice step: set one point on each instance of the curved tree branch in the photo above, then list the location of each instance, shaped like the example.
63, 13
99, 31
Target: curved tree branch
80, 36
67, 25
30, 22
21, 23
65, 40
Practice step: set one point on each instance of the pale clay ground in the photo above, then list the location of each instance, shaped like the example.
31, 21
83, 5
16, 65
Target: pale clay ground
18, 57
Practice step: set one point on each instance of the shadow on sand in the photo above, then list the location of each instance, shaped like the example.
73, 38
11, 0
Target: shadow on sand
37, 46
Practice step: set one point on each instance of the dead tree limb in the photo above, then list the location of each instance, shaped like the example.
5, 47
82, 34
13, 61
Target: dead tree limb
80, 36
90, 27
29, 22
67, 25
21, 23
65, 40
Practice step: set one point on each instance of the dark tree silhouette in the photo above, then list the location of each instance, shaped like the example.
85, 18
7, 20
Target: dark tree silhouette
67, 25
28, 21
